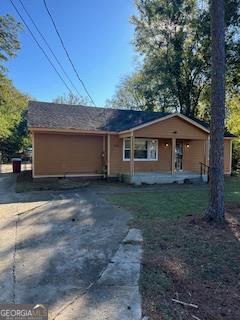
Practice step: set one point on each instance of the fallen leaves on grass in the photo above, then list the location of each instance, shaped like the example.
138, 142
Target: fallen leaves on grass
198, 261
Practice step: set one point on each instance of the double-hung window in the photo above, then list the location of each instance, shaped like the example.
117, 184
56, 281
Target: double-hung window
126, 149
144, 149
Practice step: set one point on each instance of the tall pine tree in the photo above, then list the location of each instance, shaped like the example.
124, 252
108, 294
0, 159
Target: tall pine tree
215, 209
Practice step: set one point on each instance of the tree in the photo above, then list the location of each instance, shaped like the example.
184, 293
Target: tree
72, 99
9, 43
215, 209
140, 92
233, 114
173, 39
13, 105
129, 94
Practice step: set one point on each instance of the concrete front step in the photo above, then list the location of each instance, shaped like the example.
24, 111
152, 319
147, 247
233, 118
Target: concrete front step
163, 178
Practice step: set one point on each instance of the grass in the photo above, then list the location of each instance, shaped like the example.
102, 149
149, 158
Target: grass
185, 257
172, 201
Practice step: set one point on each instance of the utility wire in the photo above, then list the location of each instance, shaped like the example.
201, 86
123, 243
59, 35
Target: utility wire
66, 51
40, 47
49, 47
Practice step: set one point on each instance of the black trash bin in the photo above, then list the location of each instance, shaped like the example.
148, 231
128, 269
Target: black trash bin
16, 165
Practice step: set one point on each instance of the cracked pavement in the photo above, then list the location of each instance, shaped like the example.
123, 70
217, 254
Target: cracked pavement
65, 249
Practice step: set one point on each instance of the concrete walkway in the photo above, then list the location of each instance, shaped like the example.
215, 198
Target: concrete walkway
67, 250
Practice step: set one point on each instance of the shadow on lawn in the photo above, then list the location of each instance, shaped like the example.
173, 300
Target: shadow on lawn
195, 262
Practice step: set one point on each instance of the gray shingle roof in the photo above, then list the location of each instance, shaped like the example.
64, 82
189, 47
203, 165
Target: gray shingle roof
63, 116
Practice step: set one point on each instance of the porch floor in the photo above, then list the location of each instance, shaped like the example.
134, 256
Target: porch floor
163, 177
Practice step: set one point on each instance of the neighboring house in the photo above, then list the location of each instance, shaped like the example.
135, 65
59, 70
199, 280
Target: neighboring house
86, 141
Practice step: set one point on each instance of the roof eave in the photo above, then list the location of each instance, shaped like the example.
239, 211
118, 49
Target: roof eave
69, 130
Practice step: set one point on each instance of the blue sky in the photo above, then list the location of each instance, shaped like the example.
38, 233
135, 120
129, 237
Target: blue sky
98, 36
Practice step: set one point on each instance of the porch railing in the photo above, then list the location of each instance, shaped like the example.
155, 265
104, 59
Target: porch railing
204, 170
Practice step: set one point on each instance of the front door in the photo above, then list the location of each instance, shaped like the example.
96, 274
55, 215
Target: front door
179, 155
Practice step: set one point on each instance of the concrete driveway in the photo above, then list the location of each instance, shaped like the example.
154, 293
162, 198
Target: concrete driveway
65, 249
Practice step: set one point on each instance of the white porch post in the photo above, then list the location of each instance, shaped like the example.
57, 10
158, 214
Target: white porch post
132, 155
173, 155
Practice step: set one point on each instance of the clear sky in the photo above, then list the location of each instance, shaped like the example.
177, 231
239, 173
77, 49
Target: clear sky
97, 34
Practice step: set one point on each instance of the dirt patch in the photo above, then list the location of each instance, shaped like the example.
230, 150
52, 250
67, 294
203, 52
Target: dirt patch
25, 183
195, 262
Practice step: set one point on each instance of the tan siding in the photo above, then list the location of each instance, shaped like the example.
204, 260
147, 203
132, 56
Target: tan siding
105, 151
66, 153
168, 128
227, 156
116, 163
119, 166
193, 155
60, 154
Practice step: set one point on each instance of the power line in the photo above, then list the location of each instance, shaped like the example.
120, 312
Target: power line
49, 47
40, 47
66, 51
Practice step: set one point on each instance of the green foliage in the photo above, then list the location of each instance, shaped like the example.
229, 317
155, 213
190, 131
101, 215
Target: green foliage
130, 94
72, 99
173, 39
13, 129
9, 43
233, 114
233, 125
13, 104
139, 92
235, 156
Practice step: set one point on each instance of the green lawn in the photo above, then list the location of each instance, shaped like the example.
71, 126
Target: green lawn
185, 257
172, 201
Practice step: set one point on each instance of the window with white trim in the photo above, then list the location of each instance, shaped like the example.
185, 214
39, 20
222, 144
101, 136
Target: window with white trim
126, 149
144, 149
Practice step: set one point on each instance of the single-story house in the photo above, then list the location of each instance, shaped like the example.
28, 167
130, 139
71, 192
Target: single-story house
79, 141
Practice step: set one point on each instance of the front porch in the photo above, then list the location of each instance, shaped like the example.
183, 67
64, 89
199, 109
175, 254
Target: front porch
158, 160
164, 177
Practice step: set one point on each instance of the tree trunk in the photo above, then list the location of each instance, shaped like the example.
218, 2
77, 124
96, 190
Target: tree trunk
216, 201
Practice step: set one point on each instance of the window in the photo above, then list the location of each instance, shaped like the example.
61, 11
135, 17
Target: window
141, 149
144, 149
127, 149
